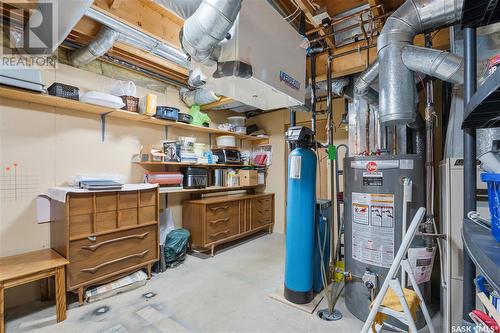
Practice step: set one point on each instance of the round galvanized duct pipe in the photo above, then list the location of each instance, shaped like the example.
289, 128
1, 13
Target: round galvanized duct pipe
363, 82
207, 27
183, 8
440, 64
397, 80
102, 43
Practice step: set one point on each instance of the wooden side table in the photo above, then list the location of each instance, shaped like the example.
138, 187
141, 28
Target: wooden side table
32, 266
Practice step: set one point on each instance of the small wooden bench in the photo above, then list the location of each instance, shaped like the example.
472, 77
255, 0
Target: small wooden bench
32, 266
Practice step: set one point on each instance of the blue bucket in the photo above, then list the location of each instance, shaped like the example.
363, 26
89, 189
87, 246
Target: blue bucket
493, 181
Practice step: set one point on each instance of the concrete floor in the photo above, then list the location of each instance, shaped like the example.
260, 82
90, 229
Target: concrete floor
226, 293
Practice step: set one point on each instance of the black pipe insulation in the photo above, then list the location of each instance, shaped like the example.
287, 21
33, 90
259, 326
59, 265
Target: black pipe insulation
470, 85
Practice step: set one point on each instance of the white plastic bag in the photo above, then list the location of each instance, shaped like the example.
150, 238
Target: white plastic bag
123, 88
166, 224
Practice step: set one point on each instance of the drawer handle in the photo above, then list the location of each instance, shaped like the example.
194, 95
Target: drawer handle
219, 221
111, 241
219, 234
111, 262
220, 207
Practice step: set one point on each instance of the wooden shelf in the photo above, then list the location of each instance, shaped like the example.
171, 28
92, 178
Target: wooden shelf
26, 96
145, 164
207, 189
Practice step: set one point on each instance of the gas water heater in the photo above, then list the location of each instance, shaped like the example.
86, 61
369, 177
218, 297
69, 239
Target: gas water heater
373, 221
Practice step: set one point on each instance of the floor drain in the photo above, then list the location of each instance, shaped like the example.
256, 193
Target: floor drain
101, 310
325, 314
149, 295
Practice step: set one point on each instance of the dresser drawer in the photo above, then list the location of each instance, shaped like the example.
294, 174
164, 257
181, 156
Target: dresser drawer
262, 211
221, 210
103, 255
148, 198
105, 202
127, 200
80, 225
221, 225
262, 203
80, 204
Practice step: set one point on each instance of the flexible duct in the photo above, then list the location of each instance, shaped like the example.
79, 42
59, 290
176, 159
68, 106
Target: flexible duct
440, 64
198, 97
207, 27
101, 44
396, 80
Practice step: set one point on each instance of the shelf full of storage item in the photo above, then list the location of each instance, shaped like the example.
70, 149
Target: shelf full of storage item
72, 105
213, 165
480, 12
483, 110
208, 189
484, 250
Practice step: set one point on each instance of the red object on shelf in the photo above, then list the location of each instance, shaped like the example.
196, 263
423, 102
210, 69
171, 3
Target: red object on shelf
164, 178
260, 159
479, 317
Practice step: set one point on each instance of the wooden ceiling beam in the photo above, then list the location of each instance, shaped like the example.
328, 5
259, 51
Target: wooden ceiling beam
145, 16
310, 16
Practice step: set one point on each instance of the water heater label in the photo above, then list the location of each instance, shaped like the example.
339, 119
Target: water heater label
373, 179
373, 228
295, 167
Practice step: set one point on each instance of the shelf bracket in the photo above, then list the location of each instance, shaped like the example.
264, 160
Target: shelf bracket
166, 133
103, 125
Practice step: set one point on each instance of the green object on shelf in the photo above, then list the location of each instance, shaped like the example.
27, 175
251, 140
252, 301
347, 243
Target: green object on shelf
332, 152
199, 118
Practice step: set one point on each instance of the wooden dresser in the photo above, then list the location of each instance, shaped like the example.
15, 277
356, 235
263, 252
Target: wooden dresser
216, 220
105, 235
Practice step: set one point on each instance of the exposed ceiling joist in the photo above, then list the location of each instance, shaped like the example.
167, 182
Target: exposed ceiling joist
146, 16
310, 16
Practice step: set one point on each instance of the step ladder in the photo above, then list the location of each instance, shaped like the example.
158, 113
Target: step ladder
392, 281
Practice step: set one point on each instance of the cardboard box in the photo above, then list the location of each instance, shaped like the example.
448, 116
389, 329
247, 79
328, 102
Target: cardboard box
248, 178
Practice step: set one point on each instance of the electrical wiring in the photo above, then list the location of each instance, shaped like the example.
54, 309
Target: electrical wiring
292, 14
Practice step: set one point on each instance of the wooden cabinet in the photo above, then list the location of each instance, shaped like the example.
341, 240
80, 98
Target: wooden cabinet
105, 235
221, 219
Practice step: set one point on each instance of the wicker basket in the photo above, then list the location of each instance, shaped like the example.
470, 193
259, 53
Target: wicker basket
131, 103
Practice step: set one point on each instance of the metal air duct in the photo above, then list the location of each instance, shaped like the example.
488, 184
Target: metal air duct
102, 43
207, 27
183, 8
363, 82
131, 36
396, 80
440, 64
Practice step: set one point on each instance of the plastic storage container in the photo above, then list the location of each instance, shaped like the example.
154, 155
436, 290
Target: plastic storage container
238, 121
493, 181
64, 91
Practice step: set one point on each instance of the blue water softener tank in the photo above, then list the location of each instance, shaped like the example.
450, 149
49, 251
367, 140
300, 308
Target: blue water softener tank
300, 226
322, 239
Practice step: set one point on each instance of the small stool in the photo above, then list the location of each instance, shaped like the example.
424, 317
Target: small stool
32, 266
